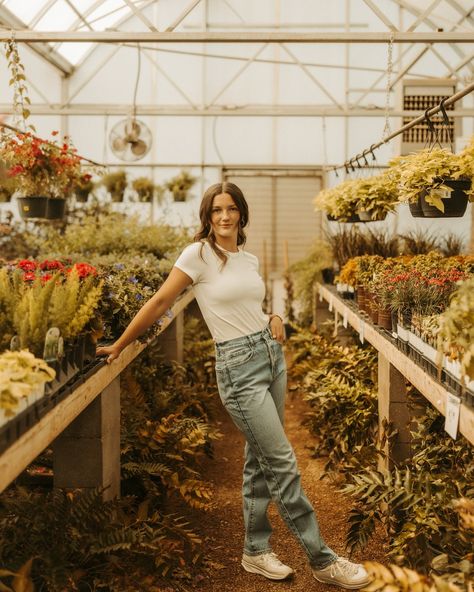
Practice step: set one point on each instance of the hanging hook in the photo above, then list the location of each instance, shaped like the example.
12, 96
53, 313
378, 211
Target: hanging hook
428, 121
371, 150
447, 123
365, 158
346, 167
357, 156
443, 111
351, 165
337, 174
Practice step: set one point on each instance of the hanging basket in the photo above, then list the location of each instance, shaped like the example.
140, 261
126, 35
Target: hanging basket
32, 207
366, 216
415, 209
55, 209
344, 219
454, 205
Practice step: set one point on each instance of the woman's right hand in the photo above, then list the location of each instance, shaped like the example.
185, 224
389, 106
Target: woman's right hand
111, 351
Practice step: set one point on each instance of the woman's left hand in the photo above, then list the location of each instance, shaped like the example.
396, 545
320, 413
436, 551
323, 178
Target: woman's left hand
277, 329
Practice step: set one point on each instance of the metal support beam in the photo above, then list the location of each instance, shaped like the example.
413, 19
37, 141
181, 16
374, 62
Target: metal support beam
423, 15
140, 15
182, 16
381, 15
239, 37
99, 110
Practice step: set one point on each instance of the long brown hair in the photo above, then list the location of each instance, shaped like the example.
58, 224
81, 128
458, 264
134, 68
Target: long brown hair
205, 212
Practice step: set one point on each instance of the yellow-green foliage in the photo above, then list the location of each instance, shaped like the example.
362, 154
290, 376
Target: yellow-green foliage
30, 318
67, 304
9, 288
73, 303
20, 374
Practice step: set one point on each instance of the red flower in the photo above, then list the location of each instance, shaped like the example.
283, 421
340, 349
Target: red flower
84, 269
29, 276
51, 264
46, 277
27, 265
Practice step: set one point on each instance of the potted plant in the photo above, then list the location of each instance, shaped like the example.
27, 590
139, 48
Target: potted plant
115, 183
22, 378
377, 195
146, 190
7, 187
434, 183
180, 184
42, 171
83, 187
456, 332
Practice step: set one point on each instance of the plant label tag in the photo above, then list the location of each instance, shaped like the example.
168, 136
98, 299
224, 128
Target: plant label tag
320, 295
361, 330
345, 318
331, 299
453, 405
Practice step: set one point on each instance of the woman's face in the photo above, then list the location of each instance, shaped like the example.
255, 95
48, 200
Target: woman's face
225, 217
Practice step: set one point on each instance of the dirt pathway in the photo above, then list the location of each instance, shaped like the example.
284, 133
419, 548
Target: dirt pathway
222, 527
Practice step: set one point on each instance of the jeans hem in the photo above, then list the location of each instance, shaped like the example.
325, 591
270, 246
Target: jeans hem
255, 553
327, 564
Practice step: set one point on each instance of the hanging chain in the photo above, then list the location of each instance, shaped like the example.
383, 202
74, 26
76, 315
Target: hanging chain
386, 130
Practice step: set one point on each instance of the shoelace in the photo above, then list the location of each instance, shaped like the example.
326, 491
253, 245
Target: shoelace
344, 566
272, 557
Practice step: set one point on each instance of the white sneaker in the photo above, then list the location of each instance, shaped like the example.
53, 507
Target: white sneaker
266, 564
343, 573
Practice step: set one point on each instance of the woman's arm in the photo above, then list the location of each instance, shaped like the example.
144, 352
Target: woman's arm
150, 312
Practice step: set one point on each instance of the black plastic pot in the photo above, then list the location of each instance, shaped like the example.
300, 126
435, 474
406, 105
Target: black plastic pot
32, 207
454, 206
55, 209
350, 219
415, 209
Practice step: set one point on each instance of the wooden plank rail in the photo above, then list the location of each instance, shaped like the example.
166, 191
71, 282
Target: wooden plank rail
430, 388
24, 450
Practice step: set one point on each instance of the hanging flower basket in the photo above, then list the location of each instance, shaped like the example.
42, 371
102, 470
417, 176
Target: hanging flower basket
344, 219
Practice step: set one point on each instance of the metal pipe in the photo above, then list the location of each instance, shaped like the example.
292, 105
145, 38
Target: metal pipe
237, 37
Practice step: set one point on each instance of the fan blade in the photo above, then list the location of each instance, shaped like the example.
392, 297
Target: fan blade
119, 144
138, 148
132, 130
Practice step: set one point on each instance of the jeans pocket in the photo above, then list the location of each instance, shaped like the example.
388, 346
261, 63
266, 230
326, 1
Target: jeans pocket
237, 357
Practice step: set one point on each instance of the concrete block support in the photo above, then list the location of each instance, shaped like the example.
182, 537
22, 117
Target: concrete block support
393, 406
171, 340
87, 452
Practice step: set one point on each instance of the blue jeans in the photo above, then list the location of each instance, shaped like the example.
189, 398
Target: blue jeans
251, 377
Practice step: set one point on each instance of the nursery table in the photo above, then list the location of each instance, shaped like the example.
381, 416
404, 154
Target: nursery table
394, 369
84, 428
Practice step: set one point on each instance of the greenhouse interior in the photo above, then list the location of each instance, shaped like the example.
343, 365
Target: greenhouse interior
236, 295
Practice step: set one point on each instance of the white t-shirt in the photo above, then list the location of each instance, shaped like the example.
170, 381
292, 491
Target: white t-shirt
230, 298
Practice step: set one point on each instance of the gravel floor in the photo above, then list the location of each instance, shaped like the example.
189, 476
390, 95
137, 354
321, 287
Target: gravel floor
222, 526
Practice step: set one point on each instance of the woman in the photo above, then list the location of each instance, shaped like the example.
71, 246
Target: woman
251, 377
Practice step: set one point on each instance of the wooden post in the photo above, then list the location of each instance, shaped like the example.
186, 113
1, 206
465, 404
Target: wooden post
171, 340
87, 453
393, 406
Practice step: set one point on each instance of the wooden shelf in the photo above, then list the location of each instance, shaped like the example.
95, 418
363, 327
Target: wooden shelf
24, 450
430, 388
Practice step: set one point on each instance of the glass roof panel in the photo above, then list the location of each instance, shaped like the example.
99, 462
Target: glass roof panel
73, 52
59, 16
23, 10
